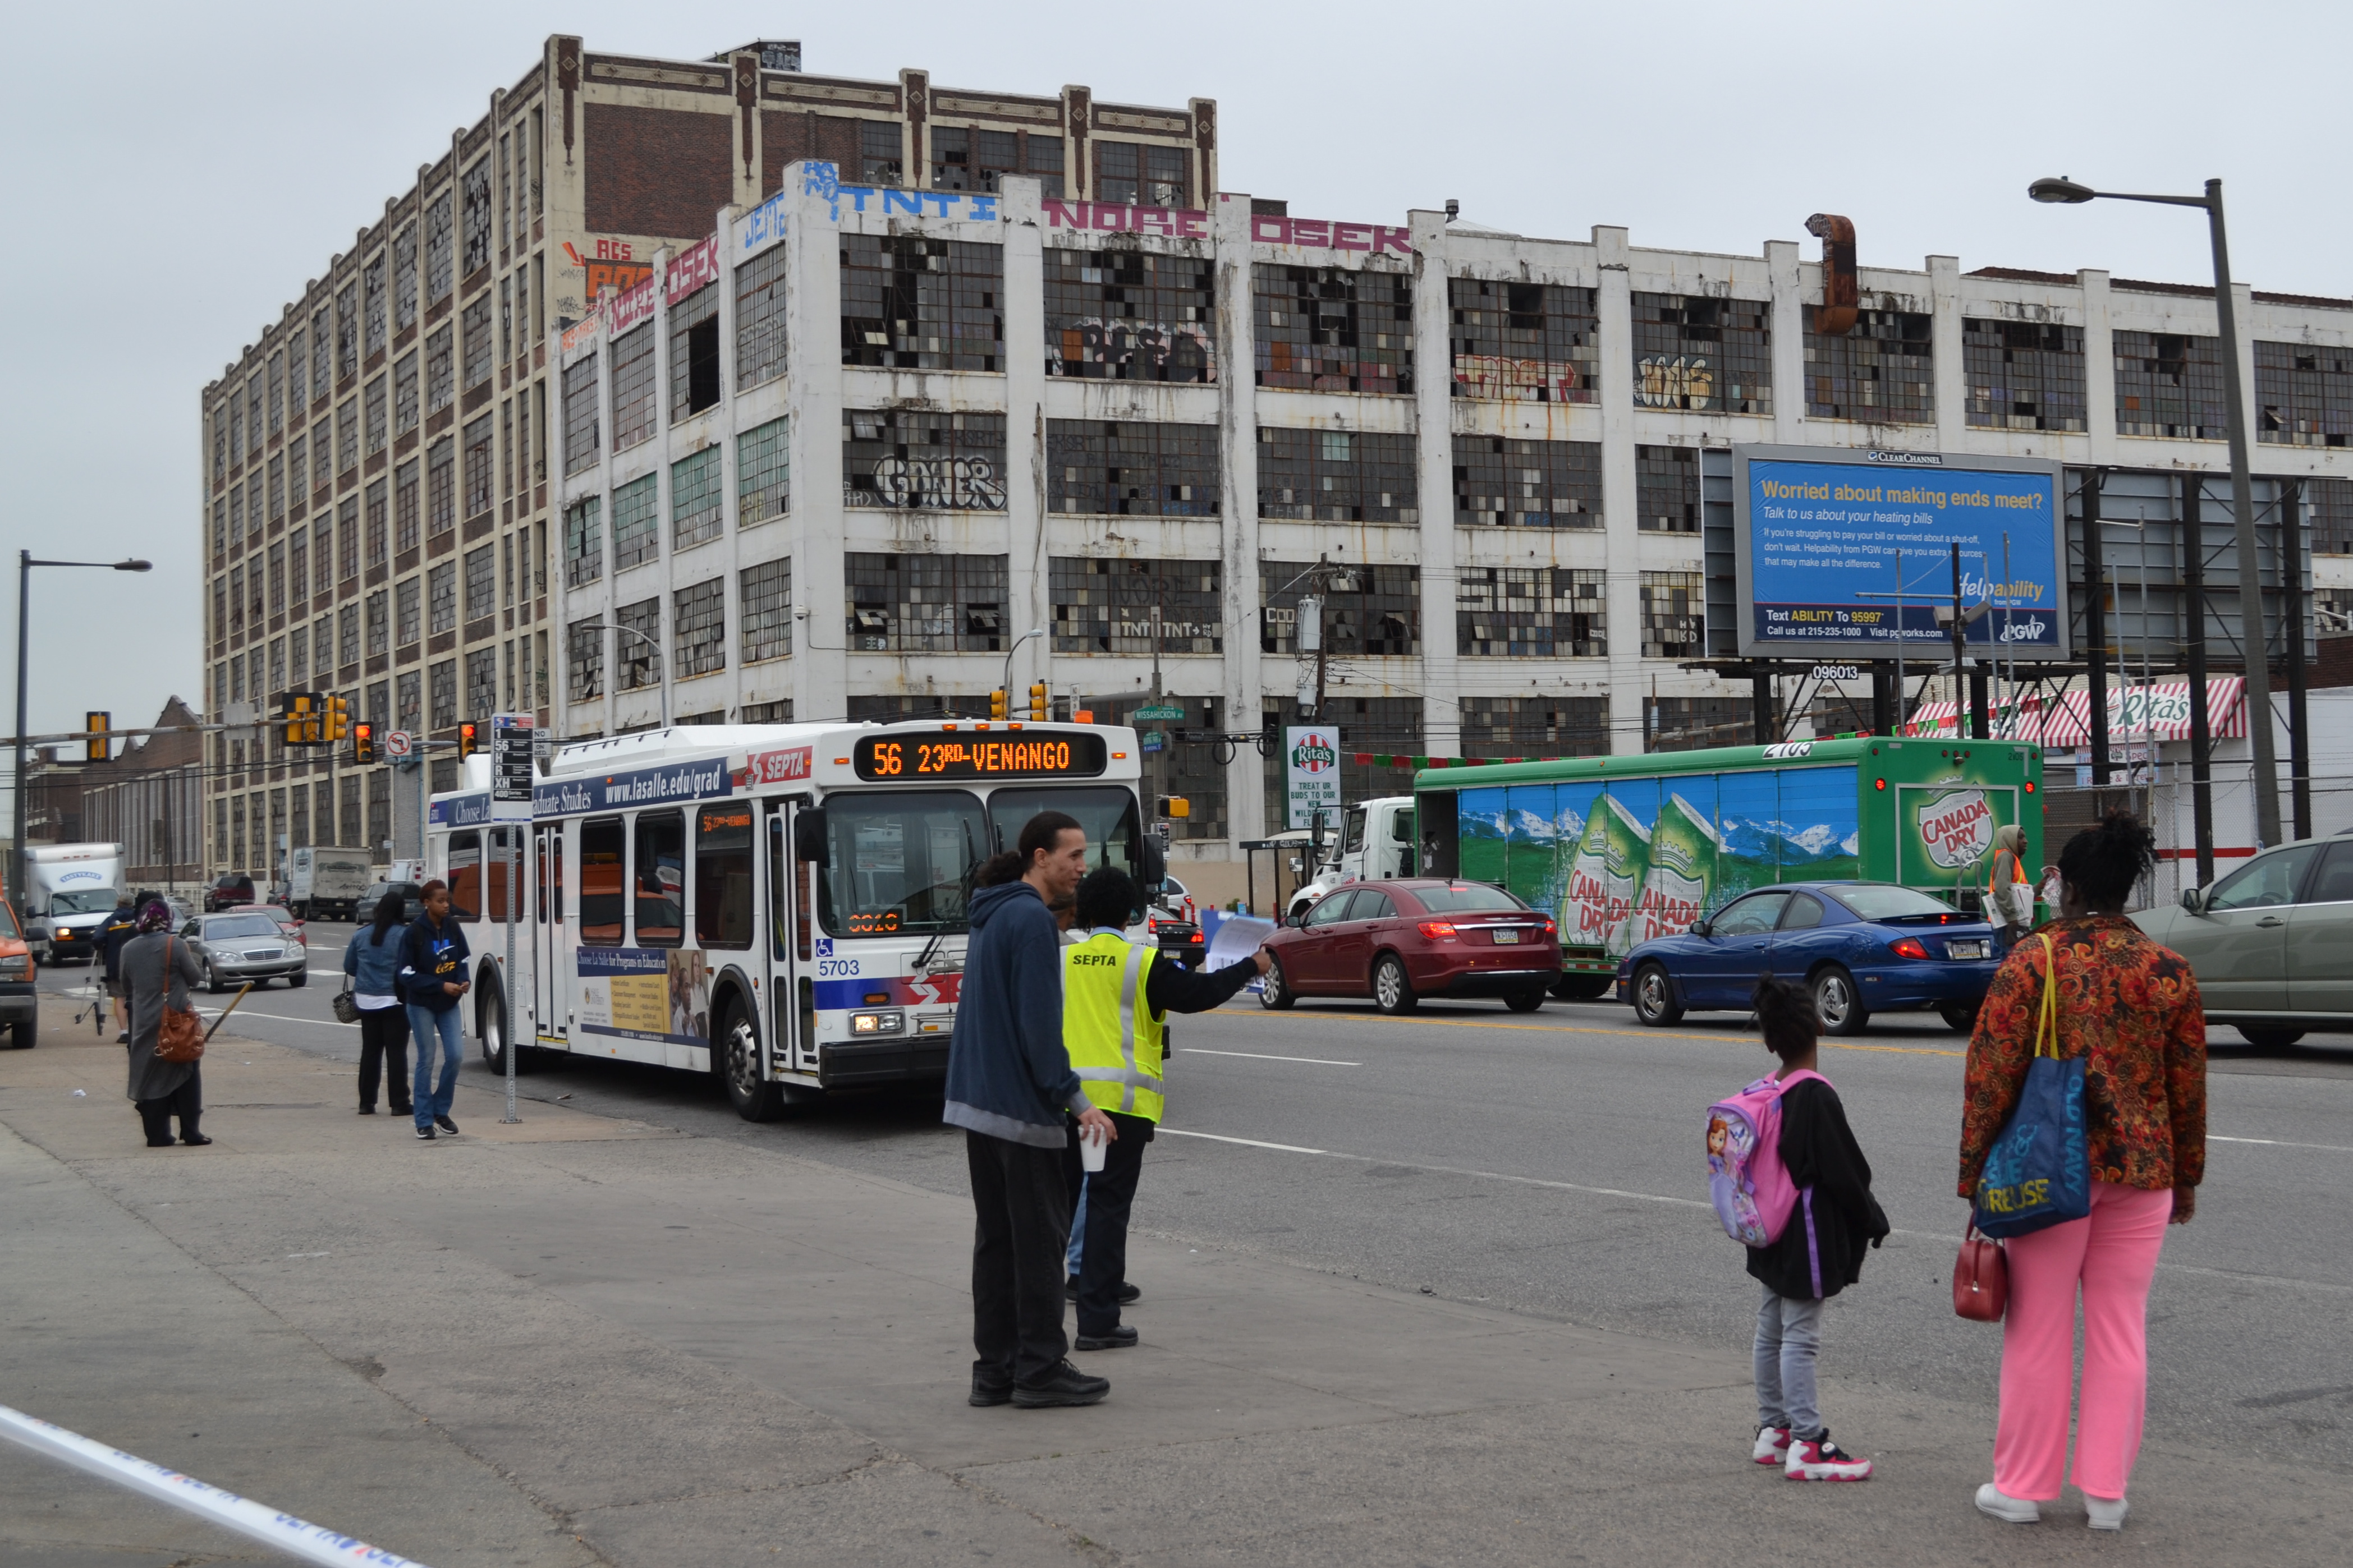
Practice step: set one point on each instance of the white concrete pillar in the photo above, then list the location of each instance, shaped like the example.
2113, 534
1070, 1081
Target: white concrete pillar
1791, 311
1442, 705
1947, 358
1624, 593
816, 523
1229, 225
1029, 592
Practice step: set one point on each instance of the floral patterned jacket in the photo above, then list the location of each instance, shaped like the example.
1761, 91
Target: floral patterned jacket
2129, 1008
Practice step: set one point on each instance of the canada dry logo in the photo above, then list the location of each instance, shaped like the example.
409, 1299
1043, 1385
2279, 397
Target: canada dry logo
1313, 754
1957, 829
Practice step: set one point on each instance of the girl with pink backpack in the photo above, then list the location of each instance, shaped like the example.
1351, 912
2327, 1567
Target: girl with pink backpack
1791, 1184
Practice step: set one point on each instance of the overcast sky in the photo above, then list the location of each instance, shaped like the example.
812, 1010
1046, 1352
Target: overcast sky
174, 172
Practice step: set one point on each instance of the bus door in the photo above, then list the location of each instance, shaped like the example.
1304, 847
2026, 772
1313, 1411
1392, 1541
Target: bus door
792, 994
548, 949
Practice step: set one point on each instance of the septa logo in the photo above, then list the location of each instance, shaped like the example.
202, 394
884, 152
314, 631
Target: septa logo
1313, 753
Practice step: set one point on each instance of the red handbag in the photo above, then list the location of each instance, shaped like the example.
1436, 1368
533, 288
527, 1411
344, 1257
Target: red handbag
1980, 1279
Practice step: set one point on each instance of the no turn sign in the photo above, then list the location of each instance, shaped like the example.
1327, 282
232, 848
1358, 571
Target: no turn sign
400, 746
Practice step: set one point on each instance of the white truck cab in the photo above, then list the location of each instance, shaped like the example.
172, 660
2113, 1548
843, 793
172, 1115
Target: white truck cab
1376, 841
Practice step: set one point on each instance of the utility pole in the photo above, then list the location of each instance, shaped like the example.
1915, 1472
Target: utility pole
2253, 638
2202, 730
2096, 626
2291, 556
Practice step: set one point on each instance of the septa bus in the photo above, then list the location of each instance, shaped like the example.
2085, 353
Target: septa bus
1622, 849
779, 906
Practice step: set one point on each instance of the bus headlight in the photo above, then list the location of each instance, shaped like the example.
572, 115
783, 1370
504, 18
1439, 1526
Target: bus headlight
891, 1023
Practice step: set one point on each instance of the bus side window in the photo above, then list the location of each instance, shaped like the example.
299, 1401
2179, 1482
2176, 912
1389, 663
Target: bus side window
465, 874
494, 908
659, 879
539, 842
723, 875
556, 871
601, 845
780, 868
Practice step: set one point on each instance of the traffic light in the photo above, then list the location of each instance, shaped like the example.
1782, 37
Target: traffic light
338, 712
299, 712
100, 743
1038, 702
996, 703
362, 743
466, 745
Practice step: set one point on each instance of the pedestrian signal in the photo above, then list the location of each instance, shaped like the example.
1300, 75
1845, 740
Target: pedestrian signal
100, 746
362, 743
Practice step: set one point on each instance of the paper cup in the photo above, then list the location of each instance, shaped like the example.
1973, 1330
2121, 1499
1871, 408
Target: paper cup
1092, 1148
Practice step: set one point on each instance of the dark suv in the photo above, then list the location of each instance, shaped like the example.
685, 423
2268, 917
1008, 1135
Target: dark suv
228, 889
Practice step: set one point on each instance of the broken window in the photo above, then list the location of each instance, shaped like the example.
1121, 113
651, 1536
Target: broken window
477, 468
583, 543
763, 473
277, 576
481, 582
1149, 469
636, 523
698, 627
254, 435
1333, 329
277, 489
440, 379
298, 565
297, 362
760, 320
1674, 606
1703, 355
347, 537
997, 153
1535, 726
441, 598
2023, 375
1666, 489
585, 663
1108, 606
697, 506
442, 488
379, 523
2328, 510
1139, 174
321, 347
404, 395
1527, 484
1041, 153
477, 216
276, 392
404, 278
408, 611
375, 400
2170, 384
951, 168
694, 353
1531, 612
1367, 610
443, 679
474, 323
347, 437
924, 604
2304, 394
347, 330
1337, 475
379, 624
322, 556
1880, 373
409, 701
373, 293
765, 595
633, 387
438, 254
405, 508
1130, 315
580, 414
1691, 723
879, 153
1532, 342
347, 634
912, 303
924, 459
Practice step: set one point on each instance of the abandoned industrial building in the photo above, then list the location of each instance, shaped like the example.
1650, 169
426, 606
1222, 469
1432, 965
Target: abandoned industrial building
721, 392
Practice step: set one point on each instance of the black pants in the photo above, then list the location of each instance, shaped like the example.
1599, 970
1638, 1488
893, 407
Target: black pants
1111, 1194
383, 1045
186, 1102
1023, 1213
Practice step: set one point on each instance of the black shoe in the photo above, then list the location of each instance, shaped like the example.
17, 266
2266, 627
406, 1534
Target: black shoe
446, 1125
1127, 1295
988, 1393
123, 1038
1119, 1339
195, 1139
159, 1142
426, 1133
367, 1110
1065, 1386
404, 1111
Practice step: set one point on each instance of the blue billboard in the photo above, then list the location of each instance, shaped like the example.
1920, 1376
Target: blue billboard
1850, 553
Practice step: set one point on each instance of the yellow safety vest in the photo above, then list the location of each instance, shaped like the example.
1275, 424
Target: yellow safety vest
1113, 1040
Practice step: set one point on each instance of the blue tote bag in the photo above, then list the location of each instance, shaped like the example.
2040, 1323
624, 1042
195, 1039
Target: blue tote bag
2039, 1172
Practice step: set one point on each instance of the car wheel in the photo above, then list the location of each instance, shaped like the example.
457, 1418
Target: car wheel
1275, 992
1392, 992
1654, 997
22, 1036
212, 981
1838, 1004
2269, 1039
735, 1055
1959, 1019
299, 978
1524, 1001
1582, 988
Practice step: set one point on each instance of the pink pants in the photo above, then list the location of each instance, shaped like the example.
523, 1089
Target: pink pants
2112, 1253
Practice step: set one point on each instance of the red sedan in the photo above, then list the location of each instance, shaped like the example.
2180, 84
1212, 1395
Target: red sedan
1399, 942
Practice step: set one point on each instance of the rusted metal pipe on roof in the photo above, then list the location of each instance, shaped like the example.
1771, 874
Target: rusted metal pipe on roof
1842, 295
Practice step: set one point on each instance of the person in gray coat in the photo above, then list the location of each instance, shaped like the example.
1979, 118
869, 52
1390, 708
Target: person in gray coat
161, 1090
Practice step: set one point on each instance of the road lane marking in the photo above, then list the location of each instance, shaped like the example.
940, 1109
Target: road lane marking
2280, 1143
1828, 1045
281, 1018
1261, 1056
1254, 1143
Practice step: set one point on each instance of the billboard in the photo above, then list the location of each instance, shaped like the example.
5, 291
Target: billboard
1311, 773
1820, 533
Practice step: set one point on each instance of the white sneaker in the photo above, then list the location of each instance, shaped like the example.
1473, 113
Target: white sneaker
1992, 1500
1772, 1444
1819, 1459
2105, 1513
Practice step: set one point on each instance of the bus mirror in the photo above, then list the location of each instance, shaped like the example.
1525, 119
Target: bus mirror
808, 835
1151, 866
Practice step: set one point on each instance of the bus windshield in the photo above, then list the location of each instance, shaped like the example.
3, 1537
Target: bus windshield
1106, 812
900, 861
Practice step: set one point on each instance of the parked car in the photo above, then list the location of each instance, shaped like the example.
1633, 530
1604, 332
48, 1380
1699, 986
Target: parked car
20, 1003
1860, 947
2271, 942
288, 922
246, 944
412, 900
228, 889
1400, 942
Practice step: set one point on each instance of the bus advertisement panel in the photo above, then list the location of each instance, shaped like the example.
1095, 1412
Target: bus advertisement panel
1850, 553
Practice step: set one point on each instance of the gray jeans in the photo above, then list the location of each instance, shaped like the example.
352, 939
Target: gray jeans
1788, 1333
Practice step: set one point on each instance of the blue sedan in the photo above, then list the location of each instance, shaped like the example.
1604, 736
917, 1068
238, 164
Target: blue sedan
1859, 947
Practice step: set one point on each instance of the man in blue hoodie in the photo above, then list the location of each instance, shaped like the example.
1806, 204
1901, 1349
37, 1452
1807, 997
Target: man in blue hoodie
1012, 1089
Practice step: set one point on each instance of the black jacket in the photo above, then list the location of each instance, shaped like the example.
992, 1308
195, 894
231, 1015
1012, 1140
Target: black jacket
120, 927
1820, 1151
429, 958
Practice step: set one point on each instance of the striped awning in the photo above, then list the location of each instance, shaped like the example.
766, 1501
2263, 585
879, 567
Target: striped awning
2165, 703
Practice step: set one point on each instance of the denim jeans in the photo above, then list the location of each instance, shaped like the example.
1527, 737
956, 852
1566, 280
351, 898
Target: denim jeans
425, 1025
1788, 1334
1077, 1231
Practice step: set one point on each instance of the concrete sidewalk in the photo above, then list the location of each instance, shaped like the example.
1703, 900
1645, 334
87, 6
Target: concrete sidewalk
585, 1341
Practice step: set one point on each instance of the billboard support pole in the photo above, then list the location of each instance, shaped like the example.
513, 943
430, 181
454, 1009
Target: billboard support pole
1899, 642
2096, 626
2253, 638
2202, 729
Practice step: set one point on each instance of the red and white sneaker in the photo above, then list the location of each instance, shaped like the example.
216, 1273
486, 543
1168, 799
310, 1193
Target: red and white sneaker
1772, 1444
1819, 1459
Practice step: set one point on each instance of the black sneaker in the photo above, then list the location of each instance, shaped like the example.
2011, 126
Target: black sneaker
426, 1133
367, 1110
1119, 1339
404, 1111
988, 1393
1127, 1295
446, 1125
1065, 1386
123, 1038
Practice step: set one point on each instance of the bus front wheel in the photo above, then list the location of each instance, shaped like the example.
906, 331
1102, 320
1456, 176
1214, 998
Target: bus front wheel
735, 1055
490, 1029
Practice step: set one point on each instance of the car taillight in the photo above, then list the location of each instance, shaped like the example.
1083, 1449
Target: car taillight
1195, 937
1907, 947
1437, 928
1551, 929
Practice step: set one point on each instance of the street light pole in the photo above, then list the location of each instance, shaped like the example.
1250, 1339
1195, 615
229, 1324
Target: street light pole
24, 565
2253, 642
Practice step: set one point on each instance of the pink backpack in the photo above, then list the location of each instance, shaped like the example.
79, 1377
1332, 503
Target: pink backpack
1752, 1193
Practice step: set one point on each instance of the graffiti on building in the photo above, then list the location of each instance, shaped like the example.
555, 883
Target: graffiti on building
1094, 348
1500, 379
1117, 217
931, 484
611, 269
890, 201
1686, 381
631, 305
1325, 234
763, 225
690, 269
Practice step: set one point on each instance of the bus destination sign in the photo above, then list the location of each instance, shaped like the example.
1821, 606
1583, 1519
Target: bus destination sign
956, 754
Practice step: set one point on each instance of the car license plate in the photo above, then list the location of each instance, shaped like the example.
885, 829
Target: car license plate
1965, 949
1507, 933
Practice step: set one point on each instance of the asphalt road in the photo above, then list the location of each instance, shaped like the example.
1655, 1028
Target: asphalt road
1551, 1163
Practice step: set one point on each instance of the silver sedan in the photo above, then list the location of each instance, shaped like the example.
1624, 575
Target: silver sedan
234, 948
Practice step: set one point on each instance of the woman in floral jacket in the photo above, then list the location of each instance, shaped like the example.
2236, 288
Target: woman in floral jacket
2129, 1009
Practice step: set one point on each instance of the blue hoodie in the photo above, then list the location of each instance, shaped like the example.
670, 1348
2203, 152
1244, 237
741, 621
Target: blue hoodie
1008, 1076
